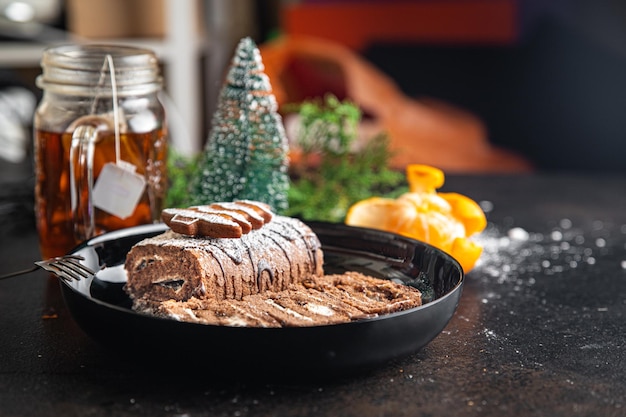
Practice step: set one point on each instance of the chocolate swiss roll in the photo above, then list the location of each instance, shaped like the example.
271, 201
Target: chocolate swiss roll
174, 266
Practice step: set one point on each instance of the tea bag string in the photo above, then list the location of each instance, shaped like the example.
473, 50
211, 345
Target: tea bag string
108, 64
116, 115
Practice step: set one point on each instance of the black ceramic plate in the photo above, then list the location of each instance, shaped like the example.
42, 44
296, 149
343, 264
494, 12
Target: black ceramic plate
102, 310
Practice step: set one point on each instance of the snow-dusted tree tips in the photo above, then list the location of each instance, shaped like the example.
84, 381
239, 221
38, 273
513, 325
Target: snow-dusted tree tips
246, 155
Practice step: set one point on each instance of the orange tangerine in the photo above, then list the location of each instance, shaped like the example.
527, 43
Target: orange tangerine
426, 202
466, 252
424, 178
381, 213
435, 228
468, 211
444, 220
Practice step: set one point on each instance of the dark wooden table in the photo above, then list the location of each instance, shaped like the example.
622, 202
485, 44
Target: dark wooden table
539, 329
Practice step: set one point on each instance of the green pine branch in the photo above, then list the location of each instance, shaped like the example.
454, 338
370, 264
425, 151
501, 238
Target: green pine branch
344, 176
180, 171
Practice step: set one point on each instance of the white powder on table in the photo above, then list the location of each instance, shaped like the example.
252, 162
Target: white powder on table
511, 253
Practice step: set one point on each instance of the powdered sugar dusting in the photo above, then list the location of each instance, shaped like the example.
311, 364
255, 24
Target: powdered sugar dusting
514, 254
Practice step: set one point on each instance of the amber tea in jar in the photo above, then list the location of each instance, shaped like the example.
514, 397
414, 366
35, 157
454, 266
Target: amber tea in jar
100, 143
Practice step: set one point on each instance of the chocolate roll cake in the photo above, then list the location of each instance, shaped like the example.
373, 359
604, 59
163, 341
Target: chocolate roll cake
175, 266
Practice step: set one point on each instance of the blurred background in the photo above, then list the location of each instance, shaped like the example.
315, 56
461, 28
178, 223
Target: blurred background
468, 85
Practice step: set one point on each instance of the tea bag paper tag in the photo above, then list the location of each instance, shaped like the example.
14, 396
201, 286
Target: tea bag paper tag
118, 189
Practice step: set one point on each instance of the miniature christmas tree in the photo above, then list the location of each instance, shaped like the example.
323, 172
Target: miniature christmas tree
246, 155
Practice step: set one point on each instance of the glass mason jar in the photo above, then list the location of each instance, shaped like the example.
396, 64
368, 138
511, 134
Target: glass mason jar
93, 120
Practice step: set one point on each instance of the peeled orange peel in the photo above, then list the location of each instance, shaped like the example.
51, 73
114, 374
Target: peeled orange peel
444, 220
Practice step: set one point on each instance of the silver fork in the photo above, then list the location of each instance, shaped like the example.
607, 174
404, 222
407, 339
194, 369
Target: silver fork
68, 268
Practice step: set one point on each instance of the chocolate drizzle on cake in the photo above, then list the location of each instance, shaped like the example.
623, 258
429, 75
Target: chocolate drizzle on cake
264, 274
